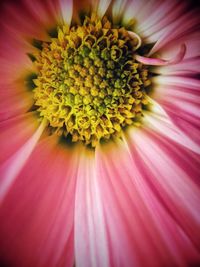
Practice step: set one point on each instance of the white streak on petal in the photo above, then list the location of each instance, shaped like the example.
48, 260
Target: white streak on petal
174, 179
133, 10
12, 167
66, 7
91, 246
185, 67
100, 6
184, 82
159, 121
118, 9
161, 16
182, 26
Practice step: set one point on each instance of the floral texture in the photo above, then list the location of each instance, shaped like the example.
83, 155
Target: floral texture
99, 133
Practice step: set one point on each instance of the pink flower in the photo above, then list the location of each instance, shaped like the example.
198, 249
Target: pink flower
66, 197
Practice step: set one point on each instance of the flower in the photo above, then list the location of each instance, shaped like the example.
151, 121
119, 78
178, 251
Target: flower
99, 133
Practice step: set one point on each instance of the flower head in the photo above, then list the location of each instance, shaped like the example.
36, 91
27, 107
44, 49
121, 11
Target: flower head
88, 83
99, 118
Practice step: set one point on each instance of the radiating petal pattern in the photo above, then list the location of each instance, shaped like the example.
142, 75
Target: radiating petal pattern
132, 196
179, 96
160, 122
40, 14
131, 200
172, 177
42, 202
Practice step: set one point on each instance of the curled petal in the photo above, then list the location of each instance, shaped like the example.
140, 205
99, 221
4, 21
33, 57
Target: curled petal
135, 35
162, 62
44, 212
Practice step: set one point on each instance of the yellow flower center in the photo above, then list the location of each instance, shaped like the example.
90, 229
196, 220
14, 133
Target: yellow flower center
88, 83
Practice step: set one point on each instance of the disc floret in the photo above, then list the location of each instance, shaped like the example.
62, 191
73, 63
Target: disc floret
89, 84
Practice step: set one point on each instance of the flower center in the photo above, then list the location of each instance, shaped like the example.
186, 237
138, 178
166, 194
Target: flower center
89, 84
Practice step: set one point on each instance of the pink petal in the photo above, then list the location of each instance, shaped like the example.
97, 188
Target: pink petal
14, 100
36, 227
188, 123
160, 62
13, 58
15, 132
91, 245
150, 61
41, 15
15, 96
118, 9
138, 9
182, 26
192, 42
10, 168
190, 64
136, 220
185, 82
162, 14
179, 97
100, 6
66, 8
159, 121
164, 164
186, 67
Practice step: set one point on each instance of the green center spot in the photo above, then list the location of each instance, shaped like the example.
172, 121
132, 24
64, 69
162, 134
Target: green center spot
88, 83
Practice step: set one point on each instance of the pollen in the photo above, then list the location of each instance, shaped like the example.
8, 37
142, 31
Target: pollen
88, 83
